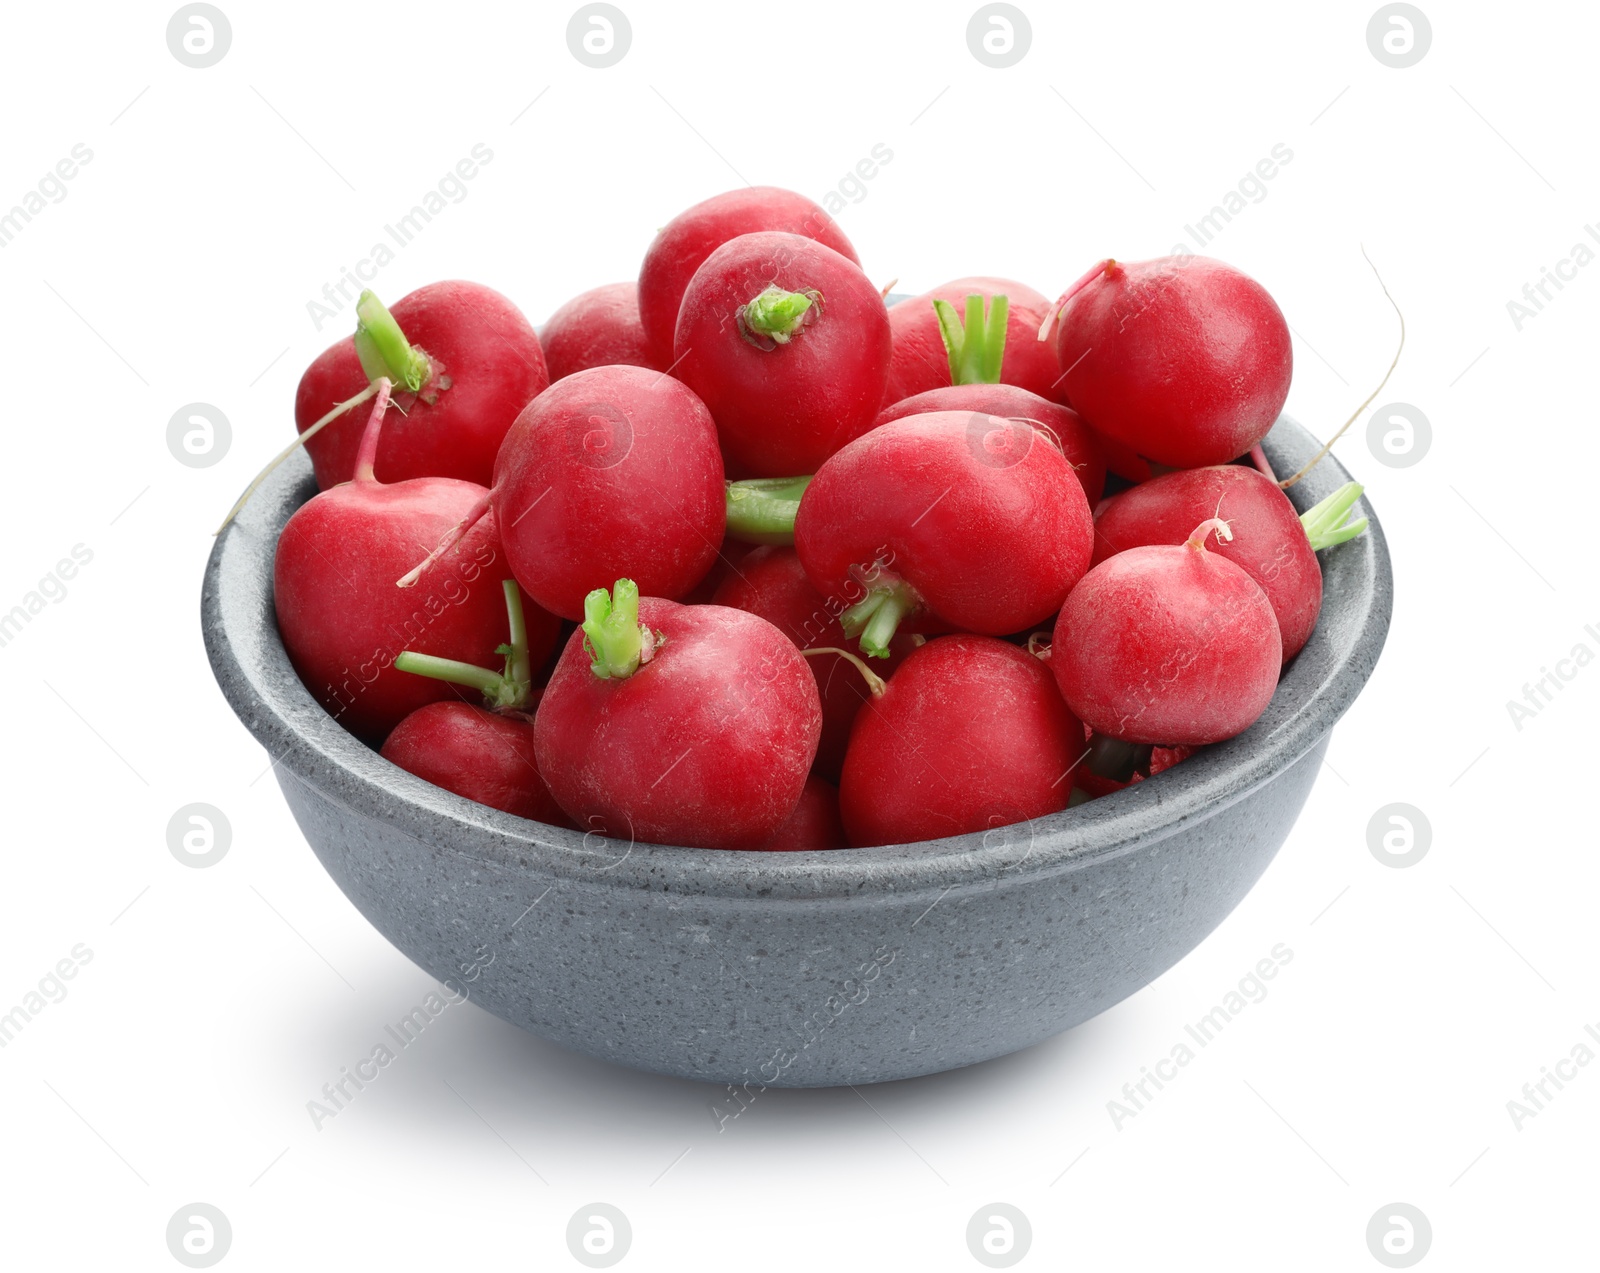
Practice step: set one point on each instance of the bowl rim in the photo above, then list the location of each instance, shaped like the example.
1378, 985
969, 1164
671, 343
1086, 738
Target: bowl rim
253, 670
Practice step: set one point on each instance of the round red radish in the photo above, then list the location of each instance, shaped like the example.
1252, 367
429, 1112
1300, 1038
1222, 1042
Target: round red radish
341, 617
671, 724
612, 471
1170, 645
970, 735
464, 362
787, 343
973, 520
681, 246
482, 755
598, 328
771, 582
1079, 443
813, 825
1184, 360
921, 362
1269, 542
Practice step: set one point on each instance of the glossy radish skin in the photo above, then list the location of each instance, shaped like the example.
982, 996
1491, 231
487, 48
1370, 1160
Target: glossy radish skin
920, 361
341, 617
786, 388
981, 518
478, 343
611, 472
1268, 543
707, 744
597, 328
971, 734
689, 238
482, 755
1079, 443
1170, 645
771, 582
813, 825
1184, 360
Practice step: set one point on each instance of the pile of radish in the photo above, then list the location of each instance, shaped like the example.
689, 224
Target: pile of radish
740, 557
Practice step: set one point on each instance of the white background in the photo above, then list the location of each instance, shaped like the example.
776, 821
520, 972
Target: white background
218, 1002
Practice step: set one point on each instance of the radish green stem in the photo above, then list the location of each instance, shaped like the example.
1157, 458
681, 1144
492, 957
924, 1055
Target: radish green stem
289, 450
508, 690
1325, 522
875, 683
877, 616
383, 348
976, 345
612, 633
776, 316
761, 510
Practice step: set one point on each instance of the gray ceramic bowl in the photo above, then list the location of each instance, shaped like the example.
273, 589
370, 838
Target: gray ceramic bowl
802, 969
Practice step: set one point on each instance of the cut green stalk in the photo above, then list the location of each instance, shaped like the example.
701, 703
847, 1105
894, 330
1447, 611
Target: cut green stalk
1325, 522
617, 642
761, 510
504, 691
384, 349
877, 617
775, 316
977, 345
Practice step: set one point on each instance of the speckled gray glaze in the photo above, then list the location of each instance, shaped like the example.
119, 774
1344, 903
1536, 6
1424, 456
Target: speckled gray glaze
799, 969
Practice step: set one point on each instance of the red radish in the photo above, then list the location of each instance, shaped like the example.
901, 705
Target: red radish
611, 470
772, 583
683, 244
598, 328
1170, 645
482, 755
1270, 541
342, 619
691, 725
463, 361
1123, 460
922, 356
1184, 360
969, 519
1079, 443
787, 342
970, 734
813, 825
